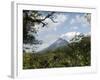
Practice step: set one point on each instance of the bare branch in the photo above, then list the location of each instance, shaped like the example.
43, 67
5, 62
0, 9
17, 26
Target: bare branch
49, 15
53, 20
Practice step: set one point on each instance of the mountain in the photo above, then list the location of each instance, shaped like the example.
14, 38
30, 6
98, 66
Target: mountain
57, 44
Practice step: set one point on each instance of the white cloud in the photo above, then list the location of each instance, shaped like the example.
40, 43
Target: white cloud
55, 29
74, 27
72, 21
50, 37
87, 34
39, 28
69, 35
60, 18
80, 19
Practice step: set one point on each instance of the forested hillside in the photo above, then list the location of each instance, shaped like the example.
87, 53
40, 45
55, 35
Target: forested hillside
76, 53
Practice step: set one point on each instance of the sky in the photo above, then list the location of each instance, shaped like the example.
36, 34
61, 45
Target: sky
68, 24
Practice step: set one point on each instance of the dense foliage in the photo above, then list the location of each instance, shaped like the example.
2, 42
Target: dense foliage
76, 53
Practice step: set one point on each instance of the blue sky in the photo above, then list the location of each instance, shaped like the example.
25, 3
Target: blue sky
68, 25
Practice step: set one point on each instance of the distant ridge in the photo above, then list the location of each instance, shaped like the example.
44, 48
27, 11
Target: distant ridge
57, 44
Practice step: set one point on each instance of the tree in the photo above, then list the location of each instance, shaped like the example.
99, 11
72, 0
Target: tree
30, 19
81, 49
77, 38
27, 60
88, 17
